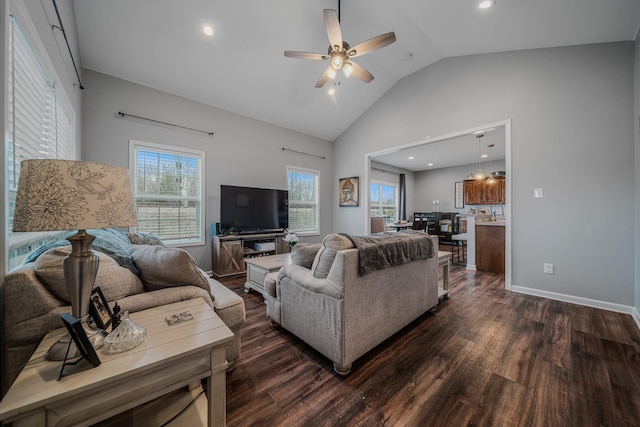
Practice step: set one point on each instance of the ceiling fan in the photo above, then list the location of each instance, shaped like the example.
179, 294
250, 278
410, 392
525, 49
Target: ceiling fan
340, 53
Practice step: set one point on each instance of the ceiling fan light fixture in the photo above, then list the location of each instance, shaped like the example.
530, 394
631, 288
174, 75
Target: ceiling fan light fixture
347, 69
486, 4
332, 73
336, 62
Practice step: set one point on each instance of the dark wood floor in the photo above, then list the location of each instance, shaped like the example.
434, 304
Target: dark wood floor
486, 357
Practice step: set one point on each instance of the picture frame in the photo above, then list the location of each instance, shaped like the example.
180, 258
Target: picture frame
79, 337
349, 192
99, 309
459, 195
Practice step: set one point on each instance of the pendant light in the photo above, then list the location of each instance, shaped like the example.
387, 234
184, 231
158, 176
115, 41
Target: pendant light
491, 179
479, 175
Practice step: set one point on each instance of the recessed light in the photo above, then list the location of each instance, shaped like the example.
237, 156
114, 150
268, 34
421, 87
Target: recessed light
410, 157
484, 156
429, 164
486, 4
208, 30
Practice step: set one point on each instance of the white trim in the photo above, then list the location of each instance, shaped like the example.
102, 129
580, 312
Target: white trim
316, 173
173, 150
588, 302
507, 129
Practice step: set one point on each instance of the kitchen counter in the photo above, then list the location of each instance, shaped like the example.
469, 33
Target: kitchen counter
492, 224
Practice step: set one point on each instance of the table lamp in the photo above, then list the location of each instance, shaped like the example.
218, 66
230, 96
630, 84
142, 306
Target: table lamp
56, 195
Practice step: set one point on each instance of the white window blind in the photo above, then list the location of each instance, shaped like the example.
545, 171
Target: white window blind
168, 188
41, 125
383, 200
303, 185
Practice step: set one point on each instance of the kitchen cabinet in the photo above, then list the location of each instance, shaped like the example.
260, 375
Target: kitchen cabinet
482, 193
490, 247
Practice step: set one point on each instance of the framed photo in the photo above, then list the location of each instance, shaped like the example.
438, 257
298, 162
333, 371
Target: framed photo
99, 309
74, 326
459, 195
349, 191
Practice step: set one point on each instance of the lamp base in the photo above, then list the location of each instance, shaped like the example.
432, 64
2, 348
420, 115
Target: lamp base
58, 350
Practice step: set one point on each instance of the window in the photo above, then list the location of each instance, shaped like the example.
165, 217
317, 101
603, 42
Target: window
168, 183
41, 125
383, 200
303, 186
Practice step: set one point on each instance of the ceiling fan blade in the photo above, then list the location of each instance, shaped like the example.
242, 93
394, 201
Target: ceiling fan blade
305, 55
361, 73
332, 24
372, 44
324, 78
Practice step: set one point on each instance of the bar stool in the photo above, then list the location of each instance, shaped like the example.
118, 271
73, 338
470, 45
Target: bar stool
461, 242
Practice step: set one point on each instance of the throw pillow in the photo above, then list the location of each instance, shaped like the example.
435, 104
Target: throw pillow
144, 239
304, 254
331, 244
161, 267
115, 281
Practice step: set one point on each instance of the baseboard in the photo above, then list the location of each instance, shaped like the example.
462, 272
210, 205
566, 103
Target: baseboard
472, 267
603, 305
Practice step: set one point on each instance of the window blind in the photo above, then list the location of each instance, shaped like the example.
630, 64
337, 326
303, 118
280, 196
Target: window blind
303, 200
40, 126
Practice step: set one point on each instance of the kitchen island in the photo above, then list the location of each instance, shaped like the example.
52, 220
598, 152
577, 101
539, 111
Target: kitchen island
490, 246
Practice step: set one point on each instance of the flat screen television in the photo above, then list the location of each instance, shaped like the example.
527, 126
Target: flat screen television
245, 210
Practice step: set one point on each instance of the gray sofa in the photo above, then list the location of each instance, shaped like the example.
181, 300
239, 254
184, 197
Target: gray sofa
324, 300
36, 294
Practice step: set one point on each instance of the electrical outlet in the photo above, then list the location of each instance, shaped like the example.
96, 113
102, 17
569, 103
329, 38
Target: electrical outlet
548, 268
538, 193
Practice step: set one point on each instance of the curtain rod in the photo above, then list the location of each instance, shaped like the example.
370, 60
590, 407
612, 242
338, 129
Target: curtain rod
160, 123
385, 171
315, 156
64, 33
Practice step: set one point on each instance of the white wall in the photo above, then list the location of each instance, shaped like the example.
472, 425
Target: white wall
243, 151
636, 126
572, 135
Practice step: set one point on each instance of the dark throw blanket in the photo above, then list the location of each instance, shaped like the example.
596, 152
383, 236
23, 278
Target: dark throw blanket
382, 250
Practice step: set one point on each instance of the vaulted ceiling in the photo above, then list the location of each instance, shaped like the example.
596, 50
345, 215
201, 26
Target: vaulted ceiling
241, 68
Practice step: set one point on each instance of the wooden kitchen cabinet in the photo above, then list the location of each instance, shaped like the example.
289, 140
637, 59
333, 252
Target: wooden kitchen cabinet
490, 248
481, 193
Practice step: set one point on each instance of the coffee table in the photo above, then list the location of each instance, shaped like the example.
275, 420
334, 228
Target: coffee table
171, 357
259, 267
443, 261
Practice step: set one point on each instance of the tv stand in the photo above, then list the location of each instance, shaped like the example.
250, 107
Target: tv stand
229, 252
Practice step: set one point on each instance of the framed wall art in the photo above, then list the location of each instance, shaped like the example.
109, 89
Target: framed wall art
349, 191
459, 195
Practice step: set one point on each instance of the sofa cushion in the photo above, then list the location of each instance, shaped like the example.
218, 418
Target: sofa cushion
115, 281
304, 254
331, 244
161, 267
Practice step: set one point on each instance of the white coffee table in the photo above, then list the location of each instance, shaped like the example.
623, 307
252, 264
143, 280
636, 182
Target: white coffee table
259, 267
171, 357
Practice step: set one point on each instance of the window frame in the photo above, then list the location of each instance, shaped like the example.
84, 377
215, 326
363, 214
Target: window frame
316, 204
134, 146
396, 207
17, 20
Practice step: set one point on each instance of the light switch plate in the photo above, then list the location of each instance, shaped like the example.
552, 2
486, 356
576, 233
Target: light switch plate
548, 268
537, 193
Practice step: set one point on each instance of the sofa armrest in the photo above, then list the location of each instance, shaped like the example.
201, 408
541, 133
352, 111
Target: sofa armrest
304, 278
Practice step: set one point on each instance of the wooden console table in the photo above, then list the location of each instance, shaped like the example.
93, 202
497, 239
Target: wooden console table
171, 357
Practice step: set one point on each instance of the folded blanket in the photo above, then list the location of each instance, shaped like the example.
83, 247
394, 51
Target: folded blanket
382, 250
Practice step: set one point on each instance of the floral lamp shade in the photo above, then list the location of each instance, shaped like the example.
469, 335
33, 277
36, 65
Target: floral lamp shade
72, 195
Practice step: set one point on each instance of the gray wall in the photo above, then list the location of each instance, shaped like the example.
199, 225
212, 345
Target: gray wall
572, 135
243, 152
439, 184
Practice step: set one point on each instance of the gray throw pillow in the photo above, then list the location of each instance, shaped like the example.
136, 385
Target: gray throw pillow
331, 244
304, 254
161, 267
115, 281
